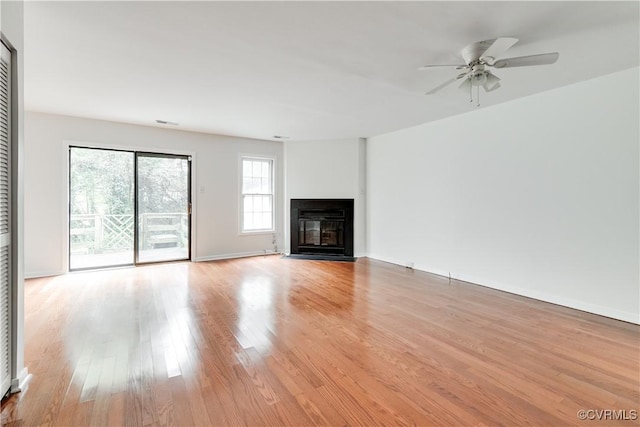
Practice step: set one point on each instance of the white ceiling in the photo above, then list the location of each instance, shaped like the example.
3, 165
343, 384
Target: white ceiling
306, 70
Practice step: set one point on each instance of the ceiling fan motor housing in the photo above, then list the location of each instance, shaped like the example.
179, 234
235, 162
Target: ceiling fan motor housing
473, 52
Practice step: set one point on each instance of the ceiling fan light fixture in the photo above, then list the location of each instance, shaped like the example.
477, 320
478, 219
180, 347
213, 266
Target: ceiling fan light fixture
492, 82
492, 88
480, 55
479, 78
466, 84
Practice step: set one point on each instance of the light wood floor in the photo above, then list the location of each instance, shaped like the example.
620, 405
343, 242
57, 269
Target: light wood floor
272, 341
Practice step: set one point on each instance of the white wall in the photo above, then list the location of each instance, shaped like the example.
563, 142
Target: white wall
332, 169
215, 184
12, 29
538, 196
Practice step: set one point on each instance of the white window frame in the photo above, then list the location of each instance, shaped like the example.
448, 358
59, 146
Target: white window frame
241, 194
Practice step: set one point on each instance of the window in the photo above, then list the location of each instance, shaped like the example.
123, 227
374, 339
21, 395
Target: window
257, 194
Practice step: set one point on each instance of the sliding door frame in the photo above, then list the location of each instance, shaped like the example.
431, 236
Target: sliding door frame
66, 206
69, 212
138, 154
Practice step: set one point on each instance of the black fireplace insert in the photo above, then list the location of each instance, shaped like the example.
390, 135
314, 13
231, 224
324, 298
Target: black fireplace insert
322, 227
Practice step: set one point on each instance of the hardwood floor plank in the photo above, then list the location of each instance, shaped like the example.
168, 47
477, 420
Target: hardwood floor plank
72, 395
181, 408
319, 411
115, 410
280, 342
82, 414
163, 401
57, 395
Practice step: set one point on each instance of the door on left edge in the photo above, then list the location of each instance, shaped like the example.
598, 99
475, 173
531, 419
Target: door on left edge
5, 221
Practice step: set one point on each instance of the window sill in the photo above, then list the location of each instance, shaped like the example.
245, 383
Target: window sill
256, 232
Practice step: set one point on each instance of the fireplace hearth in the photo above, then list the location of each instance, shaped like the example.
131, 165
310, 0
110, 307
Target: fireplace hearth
322, 228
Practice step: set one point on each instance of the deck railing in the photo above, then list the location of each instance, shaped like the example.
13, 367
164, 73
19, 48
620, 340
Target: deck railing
95, 233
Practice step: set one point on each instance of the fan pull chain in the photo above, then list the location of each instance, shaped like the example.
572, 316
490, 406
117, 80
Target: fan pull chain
478, 95
470, 93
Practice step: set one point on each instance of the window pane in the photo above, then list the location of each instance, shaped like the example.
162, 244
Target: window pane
257, 194
248, 221
257, 168
255, 187
249, 186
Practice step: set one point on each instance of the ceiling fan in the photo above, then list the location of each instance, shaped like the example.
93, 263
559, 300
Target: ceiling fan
480, 55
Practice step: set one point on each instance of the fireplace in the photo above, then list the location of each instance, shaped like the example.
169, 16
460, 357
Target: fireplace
322, 228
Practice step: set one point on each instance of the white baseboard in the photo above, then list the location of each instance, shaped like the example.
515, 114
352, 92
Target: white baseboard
563, 301
20, 383
531, 293
37, 274
396, 262
236, 255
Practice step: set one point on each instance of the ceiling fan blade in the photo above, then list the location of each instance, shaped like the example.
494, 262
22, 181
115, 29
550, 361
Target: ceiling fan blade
428, 67
442, 86
522, 61
499, 46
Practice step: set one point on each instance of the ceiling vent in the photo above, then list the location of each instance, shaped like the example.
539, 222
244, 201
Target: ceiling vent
166, 122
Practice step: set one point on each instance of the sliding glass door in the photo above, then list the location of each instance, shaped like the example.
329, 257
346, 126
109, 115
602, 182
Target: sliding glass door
101, 195
163, 207
127, 208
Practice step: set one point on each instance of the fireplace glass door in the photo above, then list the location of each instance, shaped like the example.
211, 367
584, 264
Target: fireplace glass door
313, 232
309, 232
331, 233
322, 227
